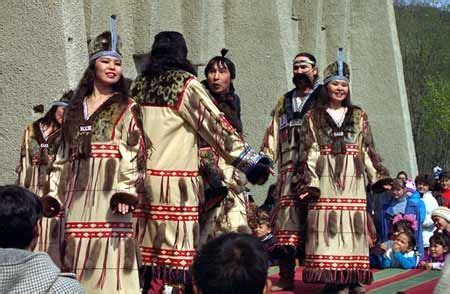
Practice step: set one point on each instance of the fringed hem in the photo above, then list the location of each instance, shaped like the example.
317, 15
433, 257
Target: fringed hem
337, 277
168, 275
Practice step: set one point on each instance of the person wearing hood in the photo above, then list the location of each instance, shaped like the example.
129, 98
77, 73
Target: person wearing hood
22, 270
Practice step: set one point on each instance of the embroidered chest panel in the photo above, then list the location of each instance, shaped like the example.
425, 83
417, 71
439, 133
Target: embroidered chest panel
162, 90
350, 132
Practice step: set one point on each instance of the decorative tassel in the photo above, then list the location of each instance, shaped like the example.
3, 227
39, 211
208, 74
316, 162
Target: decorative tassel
94, 254
332, 223
325, 229
161, 191
110, 174
86, 258
130, 254
359, 165
118, 269
159, 238
359, 223
351, 227
69, 254
183, 190
101, 280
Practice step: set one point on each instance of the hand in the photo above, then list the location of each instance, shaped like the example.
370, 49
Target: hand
396, 248
123, 208
302, 196
383, 246
428, 266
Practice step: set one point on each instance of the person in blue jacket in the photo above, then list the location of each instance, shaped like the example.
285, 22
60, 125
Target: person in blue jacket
401, 254
404, 204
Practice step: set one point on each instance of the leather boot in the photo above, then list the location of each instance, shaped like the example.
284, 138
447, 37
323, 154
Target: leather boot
287, 273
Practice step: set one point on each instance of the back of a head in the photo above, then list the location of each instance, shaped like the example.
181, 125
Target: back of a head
20, 210
232, 263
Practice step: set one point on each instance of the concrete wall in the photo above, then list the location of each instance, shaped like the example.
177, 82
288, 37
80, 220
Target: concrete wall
43, 52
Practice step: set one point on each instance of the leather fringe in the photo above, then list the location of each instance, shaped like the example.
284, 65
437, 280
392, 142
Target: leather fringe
338, 277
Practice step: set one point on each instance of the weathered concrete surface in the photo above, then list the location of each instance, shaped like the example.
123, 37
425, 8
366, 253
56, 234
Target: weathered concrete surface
43, 51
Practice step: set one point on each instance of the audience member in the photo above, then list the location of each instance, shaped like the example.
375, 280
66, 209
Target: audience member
435, 256
441, 219
444, 181
263, 232
232, 263
21, 270
423, 183
402, 175
402, 253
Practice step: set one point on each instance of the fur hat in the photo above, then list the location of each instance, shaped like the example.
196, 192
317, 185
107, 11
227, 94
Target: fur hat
105, 44
443, 212
169, 44
410, 186
338, 70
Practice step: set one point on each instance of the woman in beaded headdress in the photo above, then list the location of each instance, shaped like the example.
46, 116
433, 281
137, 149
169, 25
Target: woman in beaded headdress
336, 155
40, 143
97, 174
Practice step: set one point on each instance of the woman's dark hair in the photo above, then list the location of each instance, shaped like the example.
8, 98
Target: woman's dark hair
86, 85
169, 51
424, 179
412, 239
49, 118
20, 211
441, 239
403, 225
402, 173
232, 263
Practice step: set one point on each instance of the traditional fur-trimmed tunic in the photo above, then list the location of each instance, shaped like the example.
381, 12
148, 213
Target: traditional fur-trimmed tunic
336, 159
36, 158
280, 143
100, 157
231, 214
176, 112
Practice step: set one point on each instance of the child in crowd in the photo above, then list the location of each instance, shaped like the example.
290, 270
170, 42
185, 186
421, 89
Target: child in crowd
441, 219
423, 183
444, 180
405, 201
434, 260
263, 232
400, 224
402, 254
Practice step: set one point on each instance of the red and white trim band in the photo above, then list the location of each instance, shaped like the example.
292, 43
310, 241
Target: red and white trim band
173, 173
337, 261
99, 229
350, 149
338, 204
286, 237
167, 257
167, 213
105, 151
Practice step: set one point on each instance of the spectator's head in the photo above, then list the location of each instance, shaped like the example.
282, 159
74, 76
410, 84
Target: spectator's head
439, 244
220, 73
405, 241
444, 179
402, 175
410, 187
398, 189
404, 223
20, 212
441, 218
423, 183
232, 263
304, 69
263, 226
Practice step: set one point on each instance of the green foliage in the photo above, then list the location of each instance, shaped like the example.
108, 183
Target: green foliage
425, 45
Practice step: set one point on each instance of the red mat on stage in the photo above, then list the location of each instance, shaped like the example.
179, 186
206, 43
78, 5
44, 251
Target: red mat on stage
385, 281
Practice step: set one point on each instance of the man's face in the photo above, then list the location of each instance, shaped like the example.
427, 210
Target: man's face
302, 65
219, 79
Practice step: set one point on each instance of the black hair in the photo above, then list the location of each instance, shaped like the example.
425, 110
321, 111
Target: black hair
424, 179
307, 55
403, 225
402, 173
20, 211
49, 118
221, 61
233, 263
86, 85
169, 52
441, 239
323, 99
412, 239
